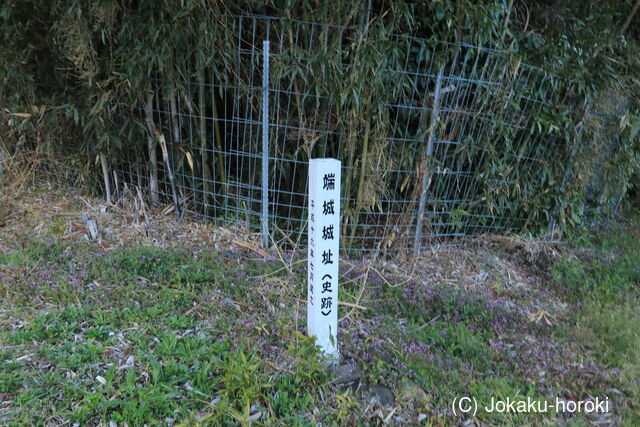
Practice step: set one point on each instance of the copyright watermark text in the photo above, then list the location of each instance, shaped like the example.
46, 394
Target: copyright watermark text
470, 405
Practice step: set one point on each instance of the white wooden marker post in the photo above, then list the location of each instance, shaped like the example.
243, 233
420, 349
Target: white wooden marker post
324, 235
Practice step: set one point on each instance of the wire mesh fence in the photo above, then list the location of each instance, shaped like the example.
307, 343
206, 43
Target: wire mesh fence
435, 139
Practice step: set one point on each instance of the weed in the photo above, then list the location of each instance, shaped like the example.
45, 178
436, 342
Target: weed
607, 286
144, 334
345, 405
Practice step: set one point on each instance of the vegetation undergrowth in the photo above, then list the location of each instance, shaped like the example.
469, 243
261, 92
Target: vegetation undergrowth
604, 280
147, 333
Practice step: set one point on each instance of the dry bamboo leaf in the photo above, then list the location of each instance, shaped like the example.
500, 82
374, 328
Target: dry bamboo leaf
166, 209
541, 315
251, 247
189, 157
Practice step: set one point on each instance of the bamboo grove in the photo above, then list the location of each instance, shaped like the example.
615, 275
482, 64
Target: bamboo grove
440, 98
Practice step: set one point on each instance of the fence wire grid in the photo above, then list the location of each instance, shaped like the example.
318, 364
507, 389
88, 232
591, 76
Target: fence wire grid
416, 164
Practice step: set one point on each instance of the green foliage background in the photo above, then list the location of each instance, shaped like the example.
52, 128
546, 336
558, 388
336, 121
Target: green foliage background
74, 75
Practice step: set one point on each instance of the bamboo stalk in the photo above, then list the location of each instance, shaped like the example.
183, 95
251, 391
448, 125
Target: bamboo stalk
115, 185
173, 114
152, 151
359, 194
173, 109
165, 154
633, 12
153, 167
506, 22
2, 156
204, 153
307, 142
218, 143
426, 177
139, 175
347, 203
105, 176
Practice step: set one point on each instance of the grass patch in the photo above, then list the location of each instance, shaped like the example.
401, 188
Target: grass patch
605, 283
149, 335
612, 330
608, 267
145, 335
